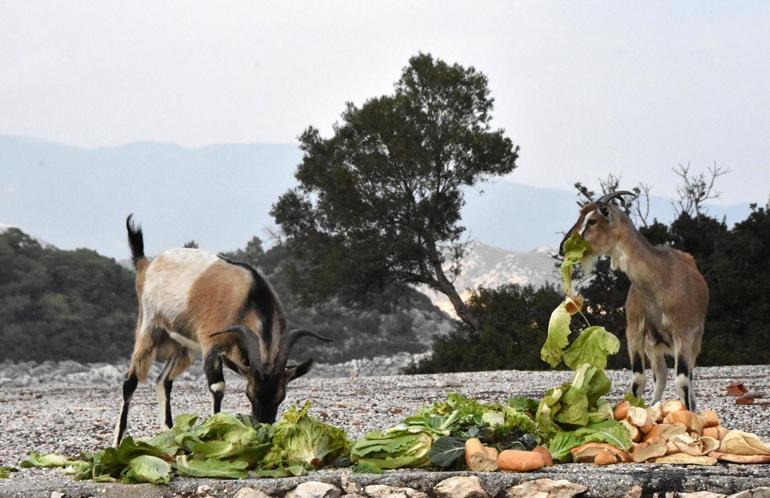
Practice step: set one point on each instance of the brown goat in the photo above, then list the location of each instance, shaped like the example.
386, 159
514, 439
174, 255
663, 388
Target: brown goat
667, 300
191, 300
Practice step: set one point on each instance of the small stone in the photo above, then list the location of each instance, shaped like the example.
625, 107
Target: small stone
698, 494
315, 489
203, 489
383, 491
460, 487
546, 488
753, 493
250, 493
633, 492
57, 494
350, 487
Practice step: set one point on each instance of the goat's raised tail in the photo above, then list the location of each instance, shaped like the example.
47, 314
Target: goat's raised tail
136, 243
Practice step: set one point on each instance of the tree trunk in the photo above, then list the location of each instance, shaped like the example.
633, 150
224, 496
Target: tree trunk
443, 285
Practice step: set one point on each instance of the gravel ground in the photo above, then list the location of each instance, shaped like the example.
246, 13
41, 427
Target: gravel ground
70, 419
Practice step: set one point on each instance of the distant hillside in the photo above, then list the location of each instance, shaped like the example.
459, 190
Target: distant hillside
221, 195
57, 305
488, 266
75, 197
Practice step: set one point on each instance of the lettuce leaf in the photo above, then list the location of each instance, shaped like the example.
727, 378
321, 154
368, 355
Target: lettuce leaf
447, 451
523, 404
147, 468
378, 451
576, 403
35, 459
5, 471
575, 248
593, 345
111, 464
609, 431
211, 467
634, 401
300, 439
558, 336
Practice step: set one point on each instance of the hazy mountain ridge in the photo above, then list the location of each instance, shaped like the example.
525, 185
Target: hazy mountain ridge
221, 195
487, 266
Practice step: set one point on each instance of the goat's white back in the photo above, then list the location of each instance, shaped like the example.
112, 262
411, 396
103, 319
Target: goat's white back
167, 284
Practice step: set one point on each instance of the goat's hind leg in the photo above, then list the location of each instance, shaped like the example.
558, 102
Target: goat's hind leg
174, 367
129, 386
141, 359
684, 385
163, 387
659, 370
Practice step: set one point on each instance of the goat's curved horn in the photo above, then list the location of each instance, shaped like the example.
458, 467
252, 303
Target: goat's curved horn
288, 341
249, 343
614, 195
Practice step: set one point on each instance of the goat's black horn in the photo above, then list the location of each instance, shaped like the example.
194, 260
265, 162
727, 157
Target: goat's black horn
614, 195
249, 343
288, 341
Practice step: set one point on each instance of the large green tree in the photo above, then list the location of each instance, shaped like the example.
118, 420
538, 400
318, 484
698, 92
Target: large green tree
380, 199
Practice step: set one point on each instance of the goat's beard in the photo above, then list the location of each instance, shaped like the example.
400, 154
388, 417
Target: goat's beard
588, 262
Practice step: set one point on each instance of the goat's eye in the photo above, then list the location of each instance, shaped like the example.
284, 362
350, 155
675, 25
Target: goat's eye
591, 222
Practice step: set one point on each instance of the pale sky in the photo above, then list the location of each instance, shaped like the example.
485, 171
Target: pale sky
585, 88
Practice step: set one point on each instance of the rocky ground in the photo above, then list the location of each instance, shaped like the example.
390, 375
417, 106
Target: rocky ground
70, 416
30, 373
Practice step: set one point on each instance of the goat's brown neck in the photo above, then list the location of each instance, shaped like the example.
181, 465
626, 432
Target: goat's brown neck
635, 256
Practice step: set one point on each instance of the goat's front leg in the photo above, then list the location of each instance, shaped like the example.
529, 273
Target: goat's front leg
635, 324
215, 378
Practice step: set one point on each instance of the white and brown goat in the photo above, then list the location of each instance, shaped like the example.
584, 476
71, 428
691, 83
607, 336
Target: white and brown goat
667, 300
191, 300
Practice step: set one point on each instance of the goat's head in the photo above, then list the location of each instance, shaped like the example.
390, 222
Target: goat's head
599, 223
267, 371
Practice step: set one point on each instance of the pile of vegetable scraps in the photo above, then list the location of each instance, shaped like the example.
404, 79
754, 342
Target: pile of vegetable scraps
223, 446
571, 423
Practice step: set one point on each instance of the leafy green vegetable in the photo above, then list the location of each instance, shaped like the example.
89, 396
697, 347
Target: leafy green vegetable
379, 451
525, 442
211, 467
575, 248
518, 422
575, 403
593, 345
634, 401
112, 464
147, 468
602, 412
291, 470
221, 436
300, 439
558, 336
523, 404
549, 407
35, 459
609, 431
447, 451
435, 425
5, 471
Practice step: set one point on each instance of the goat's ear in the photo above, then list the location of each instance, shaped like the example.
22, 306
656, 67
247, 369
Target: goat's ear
297, 371
604, 210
